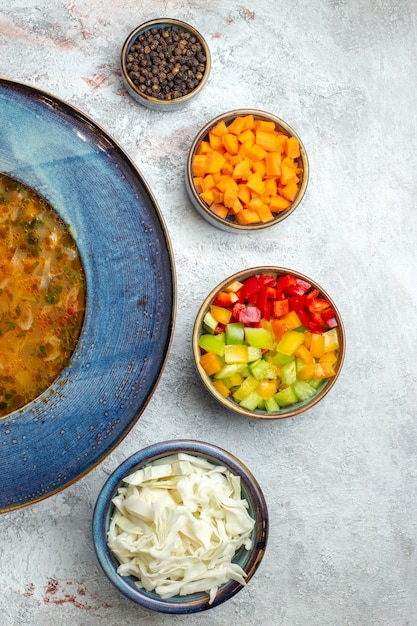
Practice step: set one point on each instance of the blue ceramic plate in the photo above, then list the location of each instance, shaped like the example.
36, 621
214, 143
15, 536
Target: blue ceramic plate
128, 263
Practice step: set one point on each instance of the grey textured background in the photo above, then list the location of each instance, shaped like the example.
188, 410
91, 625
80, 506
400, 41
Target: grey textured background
341, 480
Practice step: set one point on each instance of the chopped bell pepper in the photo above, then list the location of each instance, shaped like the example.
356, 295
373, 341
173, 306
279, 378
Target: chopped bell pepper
269, 341
211, 363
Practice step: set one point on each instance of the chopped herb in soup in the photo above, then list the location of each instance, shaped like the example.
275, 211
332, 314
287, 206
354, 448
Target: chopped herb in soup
42, 295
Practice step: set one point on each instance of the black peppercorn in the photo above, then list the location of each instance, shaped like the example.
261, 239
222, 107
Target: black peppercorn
166, 62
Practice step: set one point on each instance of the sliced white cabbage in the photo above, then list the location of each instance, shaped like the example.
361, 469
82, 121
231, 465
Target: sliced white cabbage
177, 525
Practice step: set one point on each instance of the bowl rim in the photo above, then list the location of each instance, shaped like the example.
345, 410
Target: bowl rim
204, 208
103, 509
157, 23
299, 407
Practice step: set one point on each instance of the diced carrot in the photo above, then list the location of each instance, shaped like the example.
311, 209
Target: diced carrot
218, 196
197, 180
207, 182
255, 203
235, 205
246, 216
289, 191
214, 162
287, 172
227, 169
230, 196
264, 213
199, 165
265, 125
273, 164
247, 136
270, 187
219, 209
236, 158
231, 143
259, 166
207, 196
281, 139
292, 147
204, 147
266, 139
256, 183
220, 129
256, 153
242, 170
215, 141
249, 122
230, 187
244, 193
236, 127
278, 203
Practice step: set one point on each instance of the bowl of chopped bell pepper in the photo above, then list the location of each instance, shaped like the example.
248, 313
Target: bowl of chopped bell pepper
268, 343
246, 170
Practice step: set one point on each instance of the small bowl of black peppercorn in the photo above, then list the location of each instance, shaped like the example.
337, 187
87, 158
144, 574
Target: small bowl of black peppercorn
165, 63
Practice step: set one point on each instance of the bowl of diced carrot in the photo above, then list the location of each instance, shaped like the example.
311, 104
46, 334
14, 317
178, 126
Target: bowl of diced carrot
246, 170
268, 343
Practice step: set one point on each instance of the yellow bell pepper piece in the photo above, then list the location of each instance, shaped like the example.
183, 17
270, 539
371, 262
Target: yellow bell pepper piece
220, 314
290, 342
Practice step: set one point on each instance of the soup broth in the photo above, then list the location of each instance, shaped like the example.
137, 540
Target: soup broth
42, 295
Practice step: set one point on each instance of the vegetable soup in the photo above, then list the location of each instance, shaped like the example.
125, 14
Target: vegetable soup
42, 295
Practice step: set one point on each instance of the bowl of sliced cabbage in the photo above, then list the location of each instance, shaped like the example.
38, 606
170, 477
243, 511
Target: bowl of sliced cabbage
180, 527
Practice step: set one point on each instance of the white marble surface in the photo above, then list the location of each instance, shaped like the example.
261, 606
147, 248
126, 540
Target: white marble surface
340, 481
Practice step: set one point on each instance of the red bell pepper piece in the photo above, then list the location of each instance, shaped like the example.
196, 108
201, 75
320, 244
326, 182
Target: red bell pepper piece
239, 295
297, 302
267, 280
267, 310
317, 304
280, 307
316, 322
252, 300
274, 294
329, 317
262, 298
310, 296
285, 281
304, 317
299, 289
247, 314
250, 287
